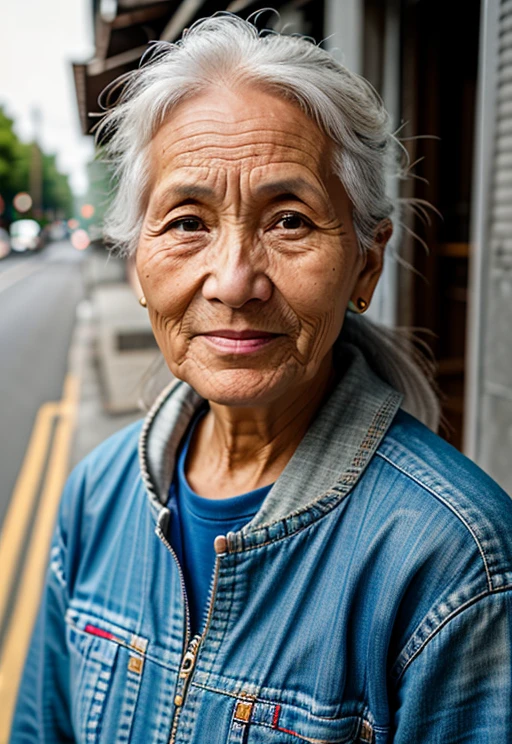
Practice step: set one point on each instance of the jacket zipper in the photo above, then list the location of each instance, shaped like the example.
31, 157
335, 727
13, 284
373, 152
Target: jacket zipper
169, 547
191, 646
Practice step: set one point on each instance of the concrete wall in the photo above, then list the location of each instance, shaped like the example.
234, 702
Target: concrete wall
488, 427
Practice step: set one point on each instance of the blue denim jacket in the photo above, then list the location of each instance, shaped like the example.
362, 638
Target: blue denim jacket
369, 600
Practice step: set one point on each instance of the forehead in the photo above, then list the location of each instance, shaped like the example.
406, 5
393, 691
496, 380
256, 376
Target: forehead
248, 130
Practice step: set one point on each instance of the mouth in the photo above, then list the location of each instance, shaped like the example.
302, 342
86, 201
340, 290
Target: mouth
239, 342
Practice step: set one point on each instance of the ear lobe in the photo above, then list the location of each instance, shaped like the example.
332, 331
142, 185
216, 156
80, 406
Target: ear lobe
373, 266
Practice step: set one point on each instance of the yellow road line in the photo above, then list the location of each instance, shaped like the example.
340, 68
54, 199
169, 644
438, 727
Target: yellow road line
20, 627
16, 520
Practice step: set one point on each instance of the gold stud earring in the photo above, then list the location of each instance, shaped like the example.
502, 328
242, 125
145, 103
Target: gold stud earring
143, 301
360, 306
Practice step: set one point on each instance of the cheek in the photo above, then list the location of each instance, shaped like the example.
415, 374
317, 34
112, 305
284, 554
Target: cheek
318, 293
169, 285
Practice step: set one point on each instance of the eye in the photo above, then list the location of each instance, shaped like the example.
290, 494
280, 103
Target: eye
187, 224
292, 221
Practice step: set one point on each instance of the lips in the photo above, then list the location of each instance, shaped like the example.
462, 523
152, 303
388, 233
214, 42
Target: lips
247, 341
241, 335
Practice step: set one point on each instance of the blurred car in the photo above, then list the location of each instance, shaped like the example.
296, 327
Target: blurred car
5, 243
25, 236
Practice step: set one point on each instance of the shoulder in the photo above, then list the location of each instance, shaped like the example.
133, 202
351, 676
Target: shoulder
457, 522
470, 503
107, 470
102, 496
114, 453
428, 458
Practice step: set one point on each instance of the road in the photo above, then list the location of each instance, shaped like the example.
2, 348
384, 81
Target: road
38, 298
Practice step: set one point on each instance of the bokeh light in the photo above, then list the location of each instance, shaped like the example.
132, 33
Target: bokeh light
80, 240
73, 224
87, 211
22, 202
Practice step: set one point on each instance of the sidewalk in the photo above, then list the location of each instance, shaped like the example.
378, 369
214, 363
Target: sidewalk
110, 378
93, 423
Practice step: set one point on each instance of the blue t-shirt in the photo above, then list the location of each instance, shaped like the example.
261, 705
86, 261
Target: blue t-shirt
195, 523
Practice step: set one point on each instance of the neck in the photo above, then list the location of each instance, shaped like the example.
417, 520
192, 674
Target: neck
235, 450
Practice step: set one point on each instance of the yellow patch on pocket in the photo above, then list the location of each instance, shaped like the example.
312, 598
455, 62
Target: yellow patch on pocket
243, 711
135, 664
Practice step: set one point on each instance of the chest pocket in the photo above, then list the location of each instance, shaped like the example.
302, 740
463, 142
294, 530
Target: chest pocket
258, 722
103, 703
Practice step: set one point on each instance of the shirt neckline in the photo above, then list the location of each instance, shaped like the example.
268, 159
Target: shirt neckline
242, 506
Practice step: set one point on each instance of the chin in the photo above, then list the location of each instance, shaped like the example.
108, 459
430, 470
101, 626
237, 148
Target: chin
241, 387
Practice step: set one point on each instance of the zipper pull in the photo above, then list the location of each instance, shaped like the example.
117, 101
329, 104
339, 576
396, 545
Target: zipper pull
189, 659
220, 544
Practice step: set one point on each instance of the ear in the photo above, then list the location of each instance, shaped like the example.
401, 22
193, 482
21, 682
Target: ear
373, 263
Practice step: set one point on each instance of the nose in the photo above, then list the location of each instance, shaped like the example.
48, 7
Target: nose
235, 277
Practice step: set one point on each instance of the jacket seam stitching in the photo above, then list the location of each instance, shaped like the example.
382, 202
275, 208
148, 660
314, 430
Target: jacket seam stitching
116, 641
353, 472
147, 655
301, 528
447, 619
355, 727
451, 508
269, 701
146, 475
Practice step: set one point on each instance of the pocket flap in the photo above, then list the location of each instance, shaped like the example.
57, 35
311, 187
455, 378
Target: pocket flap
93, 625
299, 723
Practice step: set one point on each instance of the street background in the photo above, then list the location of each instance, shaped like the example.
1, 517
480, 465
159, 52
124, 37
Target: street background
76, 349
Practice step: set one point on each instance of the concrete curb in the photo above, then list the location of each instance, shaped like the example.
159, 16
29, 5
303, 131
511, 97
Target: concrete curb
93, 423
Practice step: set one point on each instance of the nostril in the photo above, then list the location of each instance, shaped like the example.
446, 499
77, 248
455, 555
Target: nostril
236, 288
263, 288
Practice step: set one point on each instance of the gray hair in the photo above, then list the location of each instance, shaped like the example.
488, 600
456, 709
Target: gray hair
225, 50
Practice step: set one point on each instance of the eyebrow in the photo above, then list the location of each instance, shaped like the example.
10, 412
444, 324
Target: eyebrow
276, 190
288, 187
186, 193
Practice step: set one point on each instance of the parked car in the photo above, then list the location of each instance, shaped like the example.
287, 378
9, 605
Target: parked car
25, 236
5, 243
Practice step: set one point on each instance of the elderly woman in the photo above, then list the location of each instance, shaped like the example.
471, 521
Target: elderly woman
292, 556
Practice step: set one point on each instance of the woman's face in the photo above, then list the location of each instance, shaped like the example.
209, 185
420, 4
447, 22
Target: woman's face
247, 255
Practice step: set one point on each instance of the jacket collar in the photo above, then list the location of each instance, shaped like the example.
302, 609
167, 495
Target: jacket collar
335, 450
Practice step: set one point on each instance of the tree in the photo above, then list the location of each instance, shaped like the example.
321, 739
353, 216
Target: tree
14, 163
57, 194
16, 158
100, 189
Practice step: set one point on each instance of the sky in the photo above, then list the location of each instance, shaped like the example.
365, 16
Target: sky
38, 41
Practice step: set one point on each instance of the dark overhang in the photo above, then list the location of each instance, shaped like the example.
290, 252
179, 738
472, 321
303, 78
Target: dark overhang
123, 28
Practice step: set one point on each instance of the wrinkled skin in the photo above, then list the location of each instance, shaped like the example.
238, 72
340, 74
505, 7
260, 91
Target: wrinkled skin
246, 228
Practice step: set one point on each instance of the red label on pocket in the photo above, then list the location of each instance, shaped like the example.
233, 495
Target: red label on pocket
99, 632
